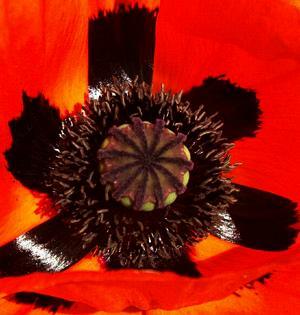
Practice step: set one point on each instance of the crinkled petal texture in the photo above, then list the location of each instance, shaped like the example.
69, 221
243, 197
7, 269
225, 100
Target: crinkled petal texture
256, 44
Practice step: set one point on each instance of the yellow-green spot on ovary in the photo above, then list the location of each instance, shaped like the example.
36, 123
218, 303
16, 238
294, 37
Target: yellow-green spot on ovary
126, 202
170, 198
187, 152
186, 178
148, 206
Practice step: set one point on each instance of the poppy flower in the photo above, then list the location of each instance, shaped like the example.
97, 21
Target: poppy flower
129, 202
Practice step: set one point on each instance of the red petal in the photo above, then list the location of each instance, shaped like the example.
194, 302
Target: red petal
279, 295
271, 161
282, 286
118, 290
43, 48
11, 308
196, 39
65, 38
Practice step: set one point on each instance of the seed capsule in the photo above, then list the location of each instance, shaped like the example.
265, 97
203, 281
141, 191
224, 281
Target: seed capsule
146, 164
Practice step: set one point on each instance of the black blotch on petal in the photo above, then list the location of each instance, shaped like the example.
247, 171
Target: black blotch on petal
49, 247
50, 303
259, 220
238, 108
122, 42
33, 134
181, 265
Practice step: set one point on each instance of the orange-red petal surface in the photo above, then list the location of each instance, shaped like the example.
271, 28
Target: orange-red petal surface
15, 200
147, 290
43, 48
196, 39
273, 297
271, 161
223, 274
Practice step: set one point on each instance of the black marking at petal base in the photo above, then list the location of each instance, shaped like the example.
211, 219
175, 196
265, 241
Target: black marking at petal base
33, 133
259, 220
122, 43
41, 301
238, 107
49, 247
139, 239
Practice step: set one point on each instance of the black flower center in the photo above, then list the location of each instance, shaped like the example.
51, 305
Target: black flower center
145, 165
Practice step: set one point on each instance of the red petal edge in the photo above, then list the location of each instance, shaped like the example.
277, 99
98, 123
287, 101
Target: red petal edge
117, 290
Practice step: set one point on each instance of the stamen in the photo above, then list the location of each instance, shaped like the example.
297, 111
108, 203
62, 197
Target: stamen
128, 150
